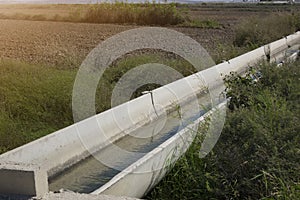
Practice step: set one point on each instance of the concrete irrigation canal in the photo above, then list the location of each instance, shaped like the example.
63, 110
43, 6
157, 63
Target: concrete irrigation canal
90, 174
133, 148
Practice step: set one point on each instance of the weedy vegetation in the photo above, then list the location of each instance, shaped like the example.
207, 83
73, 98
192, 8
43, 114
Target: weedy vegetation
257, 155
34, 101
142, 14
119, 13
256, 31
148, 13
113, 74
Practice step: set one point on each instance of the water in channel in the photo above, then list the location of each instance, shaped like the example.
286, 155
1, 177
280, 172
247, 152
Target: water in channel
94, 171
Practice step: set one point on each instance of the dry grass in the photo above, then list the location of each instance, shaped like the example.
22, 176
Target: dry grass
48, 11
143, 14
258, 31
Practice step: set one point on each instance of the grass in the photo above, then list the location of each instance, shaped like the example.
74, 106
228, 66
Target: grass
226, 52
118, 12
34, 101
115, 13
141, 14
257, 155
209, 23
153, 13
258, 31
119, 68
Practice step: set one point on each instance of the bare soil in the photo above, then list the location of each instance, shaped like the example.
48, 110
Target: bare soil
63, 44
53, 43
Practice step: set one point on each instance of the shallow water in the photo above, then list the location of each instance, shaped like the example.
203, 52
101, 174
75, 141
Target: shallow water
93, 172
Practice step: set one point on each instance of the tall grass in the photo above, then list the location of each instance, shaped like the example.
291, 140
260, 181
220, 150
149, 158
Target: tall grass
142, 14
118, 12
34, 101
258, 31
257, 155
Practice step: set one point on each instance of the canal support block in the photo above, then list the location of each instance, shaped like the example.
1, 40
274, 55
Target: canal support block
23, 179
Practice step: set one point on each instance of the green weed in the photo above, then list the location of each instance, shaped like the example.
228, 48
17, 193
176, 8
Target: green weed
257, 155
34, 101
